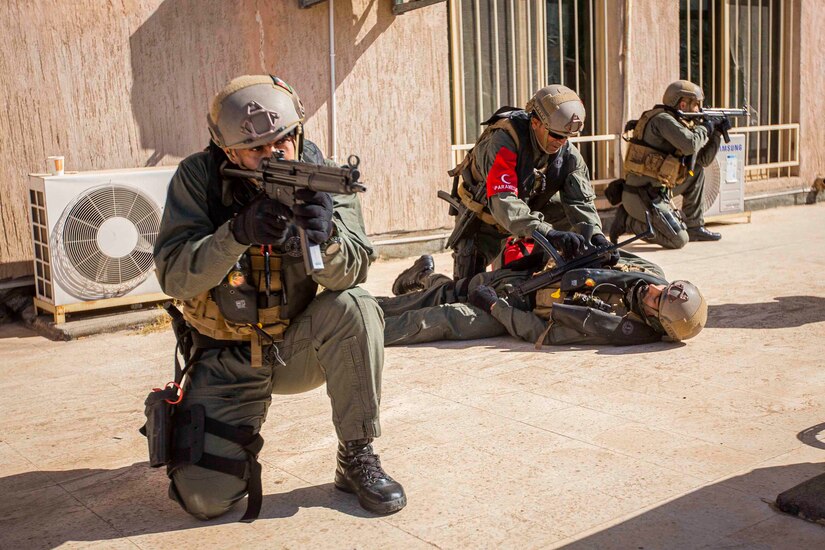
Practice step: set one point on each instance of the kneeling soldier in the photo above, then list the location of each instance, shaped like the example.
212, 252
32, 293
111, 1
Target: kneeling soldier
227, 250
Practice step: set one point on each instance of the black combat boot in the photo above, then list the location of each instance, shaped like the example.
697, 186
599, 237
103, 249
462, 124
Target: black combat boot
701, 233
359, 471
619, 226
412, 278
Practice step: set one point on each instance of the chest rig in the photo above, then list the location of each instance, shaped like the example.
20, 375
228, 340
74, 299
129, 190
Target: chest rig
245, 307
535, 184
642, 159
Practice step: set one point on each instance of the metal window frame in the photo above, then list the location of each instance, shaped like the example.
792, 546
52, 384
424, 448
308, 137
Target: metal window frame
776, 151
528, 75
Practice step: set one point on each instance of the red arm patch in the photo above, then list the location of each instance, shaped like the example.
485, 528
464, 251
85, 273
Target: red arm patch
502, 175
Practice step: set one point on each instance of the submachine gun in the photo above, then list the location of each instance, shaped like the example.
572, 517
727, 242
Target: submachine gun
586, 259
280, 178
713, 114
465, 217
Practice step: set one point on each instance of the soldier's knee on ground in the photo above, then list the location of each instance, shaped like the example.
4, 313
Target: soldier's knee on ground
205, 494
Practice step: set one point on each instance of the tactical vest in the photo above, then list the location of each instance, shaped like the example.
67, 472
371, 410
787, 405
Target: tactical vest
643, 160
203, 312
617, 326
468, 179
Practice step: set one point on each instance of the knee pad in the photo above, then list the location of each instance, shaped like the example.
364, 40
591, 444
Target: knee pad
189, 435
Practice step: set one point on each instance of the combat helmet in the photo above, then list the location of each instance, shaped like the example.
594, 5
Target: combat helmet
683, 310
679, 89
253, 110
559, 108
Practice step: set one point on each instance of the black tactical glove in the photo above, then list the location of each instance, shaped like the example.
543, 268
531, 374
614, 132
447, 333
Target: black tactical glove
710, 125
568, 243
600, 240
723, 125
261, 221
483, 297
313, 213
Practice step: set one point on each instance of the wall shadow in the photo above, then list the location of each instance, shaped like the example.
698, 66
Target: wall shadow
783, 312
186, 50
45, 509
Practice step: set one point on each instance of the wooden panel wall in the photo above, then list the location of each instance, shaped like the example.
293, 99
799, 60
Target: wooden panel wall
126, 83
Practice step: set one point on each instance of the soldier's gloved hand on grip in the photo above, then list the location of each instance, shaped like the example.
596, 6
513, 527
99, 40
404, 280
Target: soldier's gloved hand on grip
313, 213
261, 221
600, 240
570, 244
723, 125
710, 125
483, 297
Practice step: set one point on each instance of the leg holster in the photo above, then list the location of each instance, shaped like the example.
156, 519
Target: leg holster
467, 260
190, 428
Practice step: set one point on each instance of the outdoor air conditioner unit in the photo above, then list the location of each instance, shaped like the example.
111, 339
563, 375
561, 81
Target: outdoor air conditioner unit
725, 180
93, 235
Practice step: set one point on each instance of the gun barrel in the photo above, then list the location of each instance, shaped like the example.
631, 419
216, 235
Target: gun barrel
713, 112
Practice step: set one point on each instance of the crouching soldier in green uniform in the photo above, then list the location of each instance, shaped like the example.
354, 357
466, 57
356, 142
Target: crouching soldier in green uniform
523, 175
657, 168
228, 252
631, 303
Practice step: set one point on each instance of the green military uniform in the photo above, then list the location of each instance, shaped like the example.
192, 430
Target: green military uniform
540, 191
332, 337
440, 311
668, 135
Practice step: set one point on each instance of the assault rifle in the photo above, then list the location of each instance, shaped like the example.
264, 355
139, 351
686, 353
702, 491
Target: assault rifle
280, 178
587, 258
465, 218
714, 114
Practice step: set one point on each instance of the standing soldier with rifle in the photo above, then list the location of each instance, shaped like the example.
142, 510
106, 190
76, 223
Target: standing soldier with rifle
507, 184
238, 220
669, 148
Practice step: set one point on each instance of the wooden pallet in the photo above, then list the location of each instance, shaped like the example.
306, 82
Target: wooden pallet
60, 312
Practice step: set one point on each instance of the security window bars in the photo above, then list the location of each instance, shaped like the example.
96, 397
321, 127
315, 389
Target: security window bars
504, 50
740, 52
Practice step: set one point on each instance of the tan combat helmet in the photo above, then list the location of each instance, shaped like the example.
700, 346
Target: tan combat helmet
253, 110
559, 108
679, 89
683, 310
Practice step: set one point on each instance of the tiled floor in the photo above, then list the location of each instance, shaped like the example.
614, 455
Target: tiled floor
497, 445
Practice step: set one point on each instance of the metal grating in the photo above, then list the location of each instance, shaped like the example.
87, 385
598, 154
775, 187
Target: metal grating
40, 239
740, 52
503, 51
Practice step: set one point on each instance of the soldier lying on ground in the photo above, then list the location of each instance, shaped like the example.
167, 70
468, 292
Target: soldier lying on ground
631, 303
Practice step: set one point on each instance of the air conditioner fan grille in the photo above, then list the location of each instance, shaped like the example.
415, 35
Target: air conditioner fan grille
81, 232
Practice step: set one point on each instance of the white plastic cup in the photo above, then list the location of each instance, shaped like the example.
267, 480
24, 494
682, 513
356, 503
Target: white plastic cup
56, 165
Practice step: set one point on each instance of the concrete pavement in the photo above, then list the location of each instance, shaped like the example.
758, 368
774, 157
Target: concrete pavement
497, 445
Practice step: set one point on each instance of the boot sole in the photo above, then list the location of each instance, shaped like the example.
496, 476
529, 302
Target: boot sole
383, 508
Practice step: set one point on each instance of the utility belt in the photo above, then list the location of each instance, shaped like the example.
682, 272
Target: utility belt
176, 435
643, 160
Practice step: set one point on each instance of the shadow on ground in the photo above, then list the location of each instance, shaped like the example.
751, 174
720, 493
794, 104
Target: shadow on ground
783, 312
510, 344
697, 519
47, 509
44, 509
